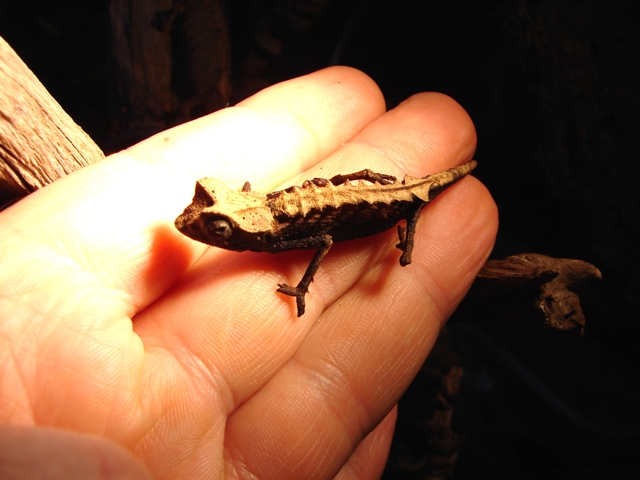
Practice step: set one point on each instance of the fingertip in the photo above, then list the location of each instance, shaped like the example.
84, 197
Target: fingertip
370, 457
461, 131
447, 129
356, 84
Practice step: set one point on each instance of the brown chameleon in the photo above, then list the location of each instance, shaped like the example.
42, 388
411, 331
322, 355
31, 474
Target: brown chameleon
312, 216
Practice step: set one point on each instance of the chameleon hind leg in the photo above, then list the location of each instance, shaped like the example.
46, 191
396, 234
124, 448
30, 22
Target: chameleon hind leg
406, 235
300, 290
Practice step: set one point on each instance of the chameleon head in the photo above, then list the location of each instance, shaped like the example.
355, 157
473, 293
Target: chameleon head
225, 218
199, 223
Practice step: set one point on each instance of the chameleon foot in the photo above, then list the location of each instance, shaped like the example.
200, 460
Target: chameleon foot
297, 292
405, 258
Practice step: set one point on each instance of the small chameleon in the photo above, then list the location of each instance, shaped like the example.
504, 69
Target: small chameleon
312, 216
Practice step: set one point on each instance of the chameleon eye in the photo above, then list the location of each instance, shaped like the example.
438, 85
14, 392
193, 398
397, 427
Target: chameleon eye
219, 228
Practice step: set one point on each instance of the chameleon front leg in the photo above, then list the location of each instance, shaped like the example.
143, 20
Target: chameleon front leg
300, 290
406, 235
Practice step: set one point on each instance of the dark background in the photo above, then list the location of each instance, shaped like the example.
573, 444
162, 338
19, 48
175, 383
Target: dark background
552, 87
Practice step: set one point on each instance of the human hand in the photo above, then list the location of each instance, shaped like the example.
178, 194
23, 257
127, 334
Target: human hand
115, 326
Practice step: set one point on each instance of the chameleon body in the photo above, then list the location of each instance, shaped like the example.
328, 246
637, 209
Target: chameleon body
312, 216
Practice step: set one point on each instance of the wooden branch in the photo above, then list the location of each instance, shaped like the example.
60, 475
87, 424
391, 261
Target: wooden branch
39, 142
530, 288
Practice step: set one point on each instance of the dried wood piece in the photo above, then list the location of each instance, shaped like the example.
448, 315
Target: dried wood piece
39, 142
530, 288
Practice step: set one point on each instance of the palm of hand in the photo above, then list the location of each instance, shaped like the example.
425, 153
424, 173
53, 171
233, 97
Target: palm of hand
113, 324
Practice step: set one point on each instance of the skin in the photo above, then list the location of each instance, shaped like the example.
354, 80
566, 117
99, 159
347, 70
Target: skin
125, 345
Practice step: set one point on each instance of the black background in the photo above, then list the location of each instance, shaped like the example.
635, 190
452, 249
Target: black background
552, 87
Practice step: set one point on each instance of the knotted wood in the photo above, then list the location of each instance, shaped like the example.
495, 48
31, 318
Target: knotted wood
39, 142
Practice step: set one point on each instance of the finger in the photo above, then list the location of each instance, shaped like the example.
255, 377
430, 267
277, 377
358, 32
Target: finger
352, 368
370, 456
272, 135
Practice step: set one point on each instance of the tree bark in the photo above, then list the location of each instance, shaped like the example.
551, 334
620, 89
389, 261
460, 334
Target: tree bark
171, 64
39, 142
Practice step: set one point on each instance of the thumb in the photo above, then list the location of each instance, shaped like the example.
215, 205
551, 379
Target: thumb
50, 454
